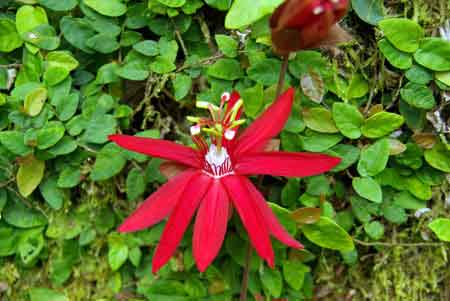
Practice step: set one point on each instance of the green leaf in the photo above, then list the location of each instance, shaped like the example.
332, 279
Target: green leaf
348, 119
29, 175
317, 142
59, 65
59, 5
404, 34
441, 227
374, 229
162, 65
406, 200
182, 85
228, 69
381, 124
434, 54
51, 193
327, 234
16, 214
45, 294
319, 119
29, 17
358, 87
99, 127
419, 75
172, 3
67, 106
272, 281
438, 157
34, 101
50, 134
10, 38
397, 58
14, 141
419, 189
370, 11
103, 43
30, 245
368, 188
246, 12
69, 177
118, 252
133, 71
394, 213
148, 48
227, 45
253, 98
110, 161
374, 158
419, 96
265, 71
349, 155
135, 184
110, 8
77, 32
43, 36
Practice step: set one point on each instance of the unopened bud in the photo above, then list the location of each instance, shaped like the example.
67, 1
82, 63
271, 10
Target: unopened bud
225, 96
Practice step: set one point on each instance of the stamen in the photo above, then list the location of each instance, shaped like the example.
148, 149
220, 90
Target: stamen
195, 130
230, 134
225, 96
193, 119
318, 10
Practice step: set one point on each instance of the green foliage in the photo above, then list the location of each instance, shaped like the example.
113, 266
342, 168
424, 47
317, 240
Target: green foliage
73, 72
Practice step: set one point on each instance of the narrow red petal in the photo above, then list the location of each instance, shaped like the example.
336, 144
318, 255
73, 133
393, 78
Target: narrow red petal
159, 205
285, 164
210, 225
266, 126
159, 148
179, 220
275, 228
251, 217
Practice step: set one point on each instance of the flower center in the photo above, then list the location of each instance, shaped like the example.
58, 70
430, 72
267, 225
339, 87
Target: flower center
217, 162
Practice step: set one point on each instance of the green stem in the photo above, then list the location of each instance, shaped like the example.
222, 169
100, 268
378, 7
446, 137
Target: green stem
282, 76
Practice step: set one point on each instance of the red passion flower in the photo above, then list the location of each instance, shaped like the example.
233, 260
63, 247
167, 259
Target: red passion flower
303, 24
214, 180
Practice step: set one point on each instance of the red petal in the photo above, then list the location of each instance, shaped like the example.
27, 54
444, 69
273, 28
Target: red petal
251, 217
266, 126
285, 164
159, 148
275, 228
159, 204
179, 220
210, 225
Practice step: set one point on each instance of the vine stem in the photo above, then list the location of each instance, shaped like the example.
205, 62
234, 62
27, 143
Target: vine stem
394, 244
244, 285
282, 76
245, 275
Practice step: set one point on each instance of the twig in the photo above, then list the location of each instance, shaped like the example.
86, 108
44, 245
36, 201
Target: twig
245, 275
206, 33
206, 61
183, 46
282, 76
11, 66
398, 244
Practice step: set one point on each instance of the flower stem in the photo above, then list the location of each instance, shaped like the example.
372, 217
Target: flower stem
244, 284
282, 76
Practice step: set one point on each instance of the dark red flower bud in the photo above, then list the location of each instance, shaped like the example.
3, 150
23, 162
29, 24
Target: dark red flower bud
303, 24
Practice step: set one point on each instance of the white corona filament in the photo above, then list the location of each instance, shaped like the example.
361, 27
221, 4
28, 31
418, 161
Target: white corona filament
318, 10
217, 163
